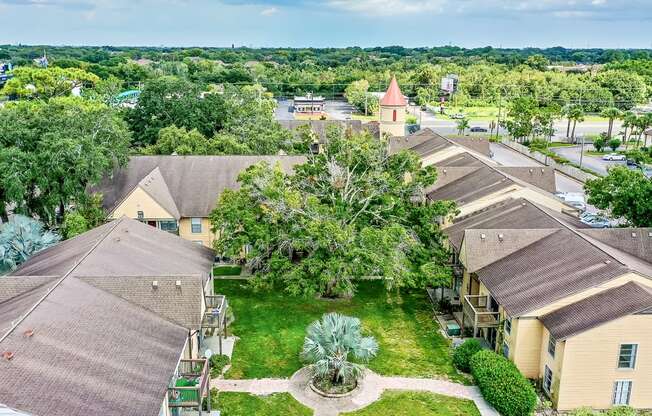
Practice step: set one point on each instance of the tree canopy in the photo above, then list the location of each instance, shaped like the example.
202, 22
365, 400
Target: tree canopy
29, 82
50, 152
624, 193
347, 213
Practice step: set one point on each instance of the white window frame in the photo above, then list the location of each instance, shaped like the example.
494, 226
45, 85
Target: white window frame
505, 349
547, 386
633, 357
192, 225
552, 342
508, 326
617, 397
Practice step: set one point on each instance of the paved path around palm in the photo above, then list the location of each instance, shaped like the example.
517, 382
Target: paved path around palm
369, 390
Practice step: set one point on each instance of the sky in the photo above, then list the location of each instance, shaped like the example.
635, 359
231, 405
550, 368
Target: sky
329, 23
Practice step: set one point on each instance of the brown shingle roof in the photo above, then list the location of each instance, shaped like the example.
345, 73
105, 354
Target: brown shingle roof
424, 142
194, 182
92, 353
552, 268
598, 309
462, 159
19, 294
510, 213
483, 247
123, 247
542, 178
635, 241
478, 184
154, 185
477, 144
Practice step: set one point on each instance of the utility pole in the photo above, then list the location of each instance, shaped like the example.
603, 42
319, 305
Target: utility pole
582, 152
500, 109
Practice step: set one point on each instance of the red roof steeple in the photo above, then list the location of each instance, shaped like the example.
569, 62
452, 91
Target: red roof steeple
393, 96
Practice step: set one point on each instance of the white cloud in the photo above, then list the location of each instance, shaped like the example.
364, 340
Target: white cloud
269, 11
389, 7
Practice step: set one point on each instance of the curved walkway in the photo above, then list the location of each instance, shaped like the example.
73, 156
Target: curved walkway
369, 390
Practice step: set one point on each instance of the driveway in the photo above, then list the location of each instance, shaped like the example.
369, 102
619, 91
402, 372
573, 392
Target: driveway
594, 163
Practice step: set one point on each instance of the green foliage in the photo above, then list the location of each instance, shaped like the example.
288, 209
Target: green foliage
29, 82
625, 193
627, 88
462, 354
502, 385
217, 363
73, 225
50, 152
21, 238
358, 95
179, 141
614, 144
345, 214
621, 411
462, 124
168, 101
248, 404
599, 143
329, 343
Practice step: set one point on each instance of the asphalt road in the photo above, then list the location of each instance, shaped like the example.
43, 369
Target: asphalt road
508, 157
594, 163
282, 110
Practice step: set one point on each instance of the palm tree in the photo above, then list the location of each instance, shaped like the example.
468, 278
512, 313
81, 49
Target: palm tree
577, 115
629, 122
329, 343
611, 113
462, 125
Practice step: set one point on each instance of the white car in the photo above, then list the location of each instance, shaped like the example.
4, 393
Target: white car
614, 156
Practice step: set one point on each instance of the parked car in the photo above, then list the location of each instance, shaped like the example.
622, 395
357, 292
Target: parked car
596, 221
613, 157
477, 129
457, 116
632, 162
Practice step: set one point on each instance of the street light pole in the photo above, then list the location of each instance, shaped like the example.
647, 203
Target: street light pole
582, 152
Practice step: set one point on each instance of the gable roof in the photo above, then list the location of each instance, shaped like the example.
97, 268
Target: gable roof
512, 213
483, 247
154, 185
19, 294
193, 182
123, 247
598, 309
426, 142
393, 96
462, 159
90, 353
550, 269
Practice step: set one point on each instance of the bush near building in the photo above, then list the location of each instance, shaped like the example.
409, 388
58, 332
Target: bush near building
502, 384
462, 354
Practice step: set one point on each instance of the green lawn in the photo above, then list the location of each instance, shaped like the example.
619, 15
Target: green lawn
397, 403
244, 404
272, 327
227, 270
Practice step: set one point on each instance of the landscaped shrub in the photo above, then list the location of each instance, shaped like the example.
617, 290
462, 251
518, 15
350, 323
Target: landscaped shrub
621, 411
583, 411
218, 362
462, 354
502, 385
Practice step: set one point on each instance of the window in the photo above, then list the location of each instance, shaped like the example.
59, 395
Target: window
547, 380
168, 225
627, 356
508, 326
394, 116
552, 345
505, 349
195, 225
622, 392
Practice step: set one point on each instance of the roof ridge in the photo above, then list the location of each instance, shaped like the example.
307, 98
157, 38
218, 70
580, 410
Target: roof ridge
56, 285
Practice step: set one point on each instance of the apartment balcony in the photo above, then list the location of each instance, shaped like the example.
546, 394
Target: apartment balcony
215, 313
190, 386
476, 312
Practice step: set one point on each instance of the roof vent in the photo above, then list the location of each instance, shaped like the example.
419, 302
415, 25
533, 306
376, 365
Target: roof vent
531, 171
607, 262
483, 236
29, 333
178, 283
543, 170
155, 284
445, 171
7, 355
633, 235
501, 237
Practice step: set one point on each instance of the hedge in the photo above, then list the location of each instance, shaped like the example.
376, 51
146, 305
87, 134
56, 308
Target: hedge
502, 385
462, 354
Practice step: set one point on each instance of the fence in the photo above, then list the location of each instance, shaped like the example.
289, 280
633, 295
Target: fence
568, 170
